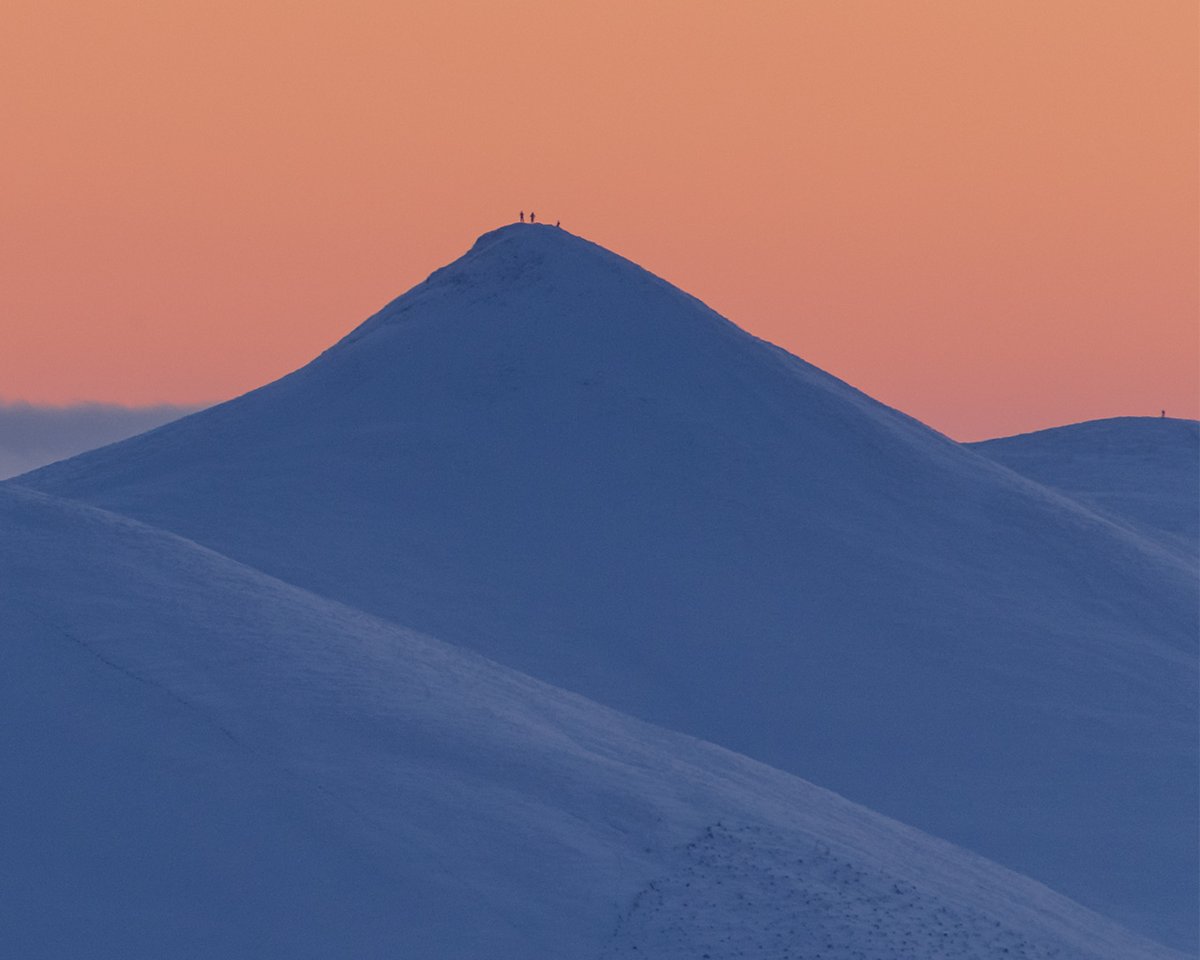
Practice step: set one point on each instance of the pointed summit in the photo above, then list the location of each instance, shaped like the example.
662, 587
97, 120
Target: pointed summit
534, 280
525, 253
547, 454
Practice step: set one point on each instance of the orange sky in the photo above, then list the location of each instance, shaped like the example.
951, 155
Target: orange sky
983, 212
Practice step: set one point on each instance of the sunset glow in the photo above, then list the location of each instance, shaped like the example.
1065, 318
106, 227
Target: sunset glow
984, 214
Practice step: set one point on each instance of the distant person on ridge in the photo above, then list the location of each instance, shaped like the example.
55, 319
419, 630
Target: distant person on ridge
532, 217
522, 216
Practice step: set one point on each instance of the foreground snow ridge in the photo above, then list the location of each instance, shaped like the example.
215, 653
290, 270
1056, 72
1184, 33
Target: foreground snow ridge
200, 758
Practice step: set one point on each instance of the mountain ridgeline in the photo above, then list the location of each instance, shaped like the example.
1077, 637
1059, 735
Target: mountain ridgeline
552, 457
1143, 472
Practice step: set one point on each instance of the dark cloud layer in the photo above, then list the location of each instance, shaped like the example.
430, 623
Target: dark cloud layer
31, 436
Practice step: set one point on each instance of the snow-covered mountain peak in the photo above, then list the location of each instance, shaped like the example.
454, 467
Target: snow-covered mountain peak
548, 455
521, 252
535, 281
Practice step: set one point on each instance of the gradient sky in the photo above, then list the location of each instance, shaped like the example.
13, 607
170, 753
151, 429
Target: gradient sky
983, 212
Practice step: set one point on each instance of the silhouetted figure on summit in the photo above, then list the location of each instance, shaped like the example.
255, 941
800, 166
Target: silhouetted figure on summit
522, 216
532, 217
1163, 415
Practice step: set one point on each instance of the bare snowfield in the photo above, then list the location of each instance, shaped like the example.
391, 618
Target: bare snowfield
202, 761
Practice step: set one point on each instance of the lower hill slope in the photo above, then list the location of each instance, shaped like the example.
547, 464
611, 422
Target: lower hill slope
1140, 471
201, 760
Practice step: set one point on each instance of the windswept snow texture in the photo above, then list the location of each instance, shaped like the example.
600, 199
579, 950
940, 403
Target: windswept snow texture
201, 761
1140, 471
548, 455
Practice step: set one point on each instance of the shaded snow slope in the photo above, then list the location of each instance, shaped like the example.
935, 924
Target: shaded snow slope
201, 761
549, 455
1140, 471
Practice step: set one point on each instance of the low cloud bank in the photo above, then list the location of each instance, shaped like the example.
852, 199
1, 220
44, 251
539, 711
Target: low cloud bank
32, 436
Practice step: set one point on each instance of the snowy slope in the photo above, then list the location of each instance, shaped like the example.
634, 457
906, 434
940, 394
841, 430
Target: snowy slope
1140, 471
201, 761
549, 455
